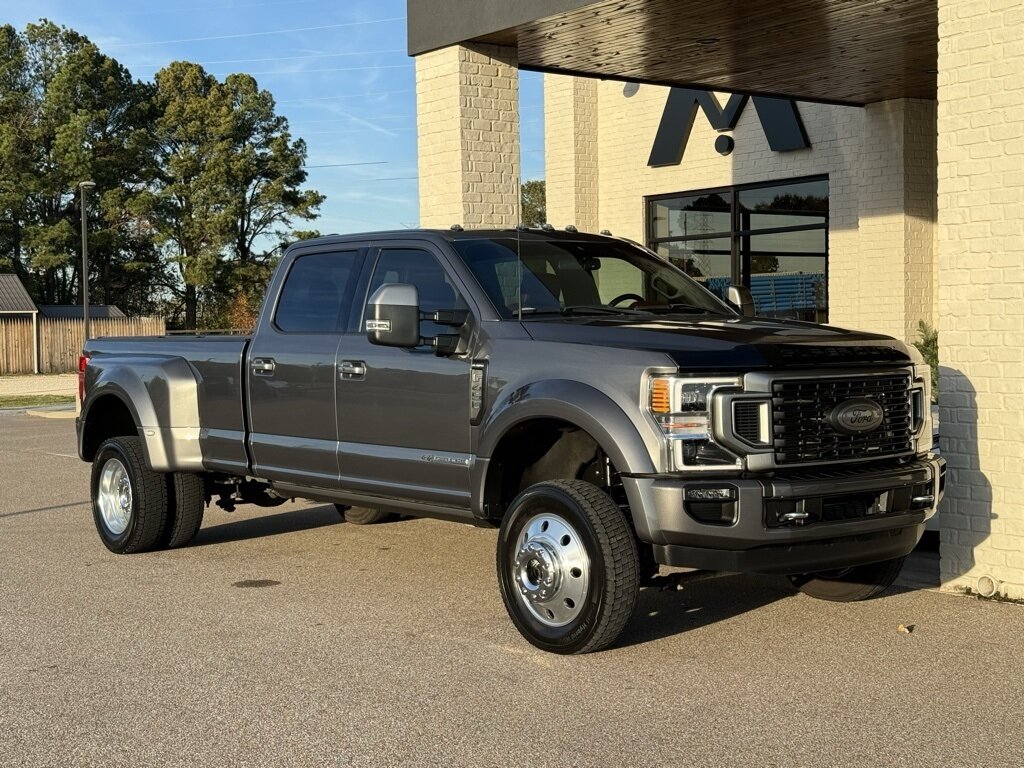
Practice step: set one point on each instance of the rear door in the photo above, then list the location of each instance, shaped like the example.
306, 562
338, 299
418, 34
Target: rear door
291, 369
404, 414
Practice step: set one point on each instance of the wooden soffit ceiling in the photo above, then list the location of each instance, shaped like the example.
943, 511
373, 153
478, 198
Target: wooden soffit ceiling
841, 51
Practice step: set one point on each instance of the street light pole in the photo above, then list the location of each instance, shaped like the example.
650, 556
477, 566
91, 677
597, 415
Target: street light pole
83, 188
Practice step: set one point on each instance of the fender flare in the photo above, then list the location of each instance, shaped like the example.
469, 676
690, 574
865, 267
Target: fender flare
580, 404
162, 394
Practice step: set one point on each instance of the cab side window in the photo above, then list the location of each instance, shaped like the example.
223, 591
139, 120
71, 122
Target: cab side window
317, 293
420, 268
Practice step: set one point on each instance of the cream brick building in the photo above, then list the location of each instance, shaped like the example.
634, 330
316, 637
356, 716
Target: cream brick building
914, 116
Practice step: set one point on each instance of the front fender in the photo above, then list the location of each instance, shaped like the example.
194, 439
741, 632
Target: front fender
582, 405
162, 394
578, 403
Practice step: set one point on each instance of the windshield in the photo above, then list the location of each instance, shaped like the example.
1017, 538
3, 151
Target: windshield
579, 277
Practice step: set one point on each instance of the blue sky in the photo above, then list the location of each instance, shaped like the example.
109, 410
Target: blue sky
338, 71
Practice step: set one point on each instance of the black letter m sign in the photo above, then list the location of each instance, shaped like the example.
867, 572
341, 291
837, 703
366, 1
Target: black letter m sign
779, 119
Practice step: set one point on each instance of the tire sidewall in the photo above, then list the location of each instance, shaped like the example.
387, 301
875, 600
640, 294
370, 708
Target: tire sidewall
575, 635
113, 450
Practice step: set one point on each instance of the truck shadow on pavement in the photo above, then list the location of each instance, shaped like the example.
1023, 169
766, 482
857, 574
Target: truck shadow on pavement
277, 524
663, 613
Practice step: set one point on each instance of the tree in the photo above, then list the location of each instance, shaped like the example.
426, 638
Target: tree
189, 208
228, 187
532, 197
70, 113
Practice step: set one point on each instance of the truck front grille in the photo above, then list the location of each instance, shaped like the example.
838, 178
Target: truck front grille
800, 418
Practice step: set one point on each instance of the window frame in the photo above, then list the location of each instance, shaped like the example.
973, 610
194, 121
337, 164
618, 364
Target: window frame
739, 237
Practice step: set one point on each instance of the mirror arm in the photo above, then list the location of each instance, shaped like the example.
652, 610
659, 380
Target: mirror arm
455, 318
444, 344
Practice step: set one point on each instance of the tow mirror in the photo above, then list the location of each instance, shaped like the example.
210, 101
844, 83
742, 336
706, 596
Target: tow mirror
393, 316
739, 296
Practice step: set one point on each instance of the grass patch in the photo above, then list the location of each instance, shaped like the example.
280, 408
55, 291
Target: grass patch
28, 401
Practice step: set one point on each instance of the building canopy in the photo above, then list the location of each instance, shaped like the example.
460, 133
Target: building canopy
853, 52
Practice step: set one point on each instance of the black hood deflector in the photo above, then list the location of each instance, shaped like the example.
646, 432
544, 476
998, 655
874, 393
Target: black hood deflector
725, 343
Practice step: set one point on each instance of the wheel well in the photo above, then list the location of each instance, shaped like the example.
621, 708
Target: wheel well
108, 417
544, 449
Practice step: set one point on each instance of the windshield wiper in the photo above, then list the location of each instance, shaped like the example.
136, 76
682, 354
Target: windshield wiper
679, 308
584, 309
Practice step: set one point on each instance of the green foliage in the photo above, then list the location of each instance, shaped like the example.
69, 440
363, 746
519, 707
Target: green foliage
534, 203
70, 113
197, 180
928, 346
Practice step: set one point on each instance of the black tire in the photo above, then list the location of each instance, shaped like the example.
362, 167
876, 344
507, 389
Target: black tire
613, 580
848, 585
185, 505
363, 515
147, 512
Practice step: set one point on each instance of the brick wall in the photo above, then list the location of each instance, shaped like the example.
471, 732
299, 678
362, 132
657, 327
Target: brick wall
467, 117
981, 291
570, 151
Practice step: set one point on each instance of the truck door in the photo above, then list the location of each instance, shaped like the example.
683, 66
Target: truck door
403, 414
291, 370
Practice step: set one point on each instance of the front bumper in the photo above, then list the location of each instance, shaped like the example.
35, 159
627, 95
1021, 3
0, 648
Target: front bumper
789, 522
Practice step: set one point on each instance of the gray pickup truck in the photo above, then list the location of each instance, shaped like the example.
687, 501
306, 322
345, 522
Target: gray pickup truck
605, 411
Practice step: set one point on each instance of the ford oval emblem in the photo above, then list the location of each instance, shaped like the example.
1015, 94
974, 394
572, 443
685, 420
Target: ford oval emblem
855, 417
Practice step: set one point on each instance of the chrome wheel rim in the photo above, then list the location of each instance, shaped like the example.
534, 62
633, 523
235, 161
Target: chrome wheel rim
114, 496
551, 570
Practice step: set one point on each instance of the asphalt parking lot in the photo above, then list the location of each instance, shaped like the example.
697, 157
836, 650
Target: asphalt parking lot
388, 645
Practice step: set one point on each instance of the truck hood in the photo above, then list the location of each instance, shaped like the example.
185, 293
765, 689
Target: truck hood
727, 343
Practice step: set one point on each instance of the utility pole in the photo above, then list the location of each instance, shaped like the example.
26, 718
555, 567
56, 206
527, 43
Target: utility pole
83, 188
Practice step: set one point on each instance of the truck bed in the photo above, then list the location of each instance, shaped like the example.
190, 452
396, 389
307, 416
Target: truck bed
217, 362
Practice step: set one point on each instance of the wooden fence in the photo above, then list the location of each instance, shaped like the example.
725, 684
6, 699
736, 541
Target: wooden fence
60, 340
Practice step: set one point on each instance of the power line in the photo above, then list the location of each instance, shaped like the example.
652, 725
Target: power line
255, 34
306, 71
346, 96
204, 7
345, 131
278, 58
336, 119
347, 165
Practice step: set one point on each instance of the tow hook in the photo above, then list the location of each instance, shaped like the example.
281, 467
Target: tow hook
793, 518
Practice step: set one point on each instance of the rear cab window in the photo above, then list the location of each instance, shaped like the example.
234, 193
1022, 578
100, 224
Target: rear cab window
317, 293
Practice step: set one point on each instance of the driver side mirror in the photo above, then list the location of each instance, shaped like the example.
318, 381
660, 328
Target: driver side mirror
393, 316
739, 296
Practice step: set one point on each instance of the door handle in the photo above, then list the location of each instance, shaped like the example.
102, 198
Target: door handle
352, 369
263, 366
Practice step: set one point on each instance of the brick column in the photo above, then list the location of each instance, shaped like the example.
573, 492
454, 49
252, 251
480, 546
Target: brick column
981, 292
896, 192
570, 151
467, 118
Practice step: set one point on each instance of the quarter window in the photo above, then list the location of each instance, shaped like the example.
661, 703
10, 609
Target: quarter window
317, 293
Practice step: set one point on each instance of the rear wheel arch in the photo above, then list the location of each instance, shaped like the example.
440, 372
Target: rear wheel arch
107, 416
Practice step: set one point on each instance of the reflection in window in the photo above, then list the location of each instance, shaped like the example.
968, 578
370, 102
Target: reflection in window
772, 238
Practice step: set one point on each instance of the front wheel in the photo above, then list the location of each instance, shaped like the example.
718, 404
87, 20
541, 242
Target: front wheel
567, 567
848, 585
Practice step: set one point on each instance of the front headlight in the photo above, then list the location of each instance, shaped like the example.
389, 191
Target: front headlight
682, 409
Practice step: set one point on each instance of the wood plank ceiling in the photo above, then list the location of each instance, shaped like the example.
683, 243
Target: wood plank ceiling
843, 51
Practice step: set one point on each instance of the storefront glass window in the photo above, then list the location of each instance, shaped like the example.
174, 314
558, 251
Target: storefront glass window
773, 238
